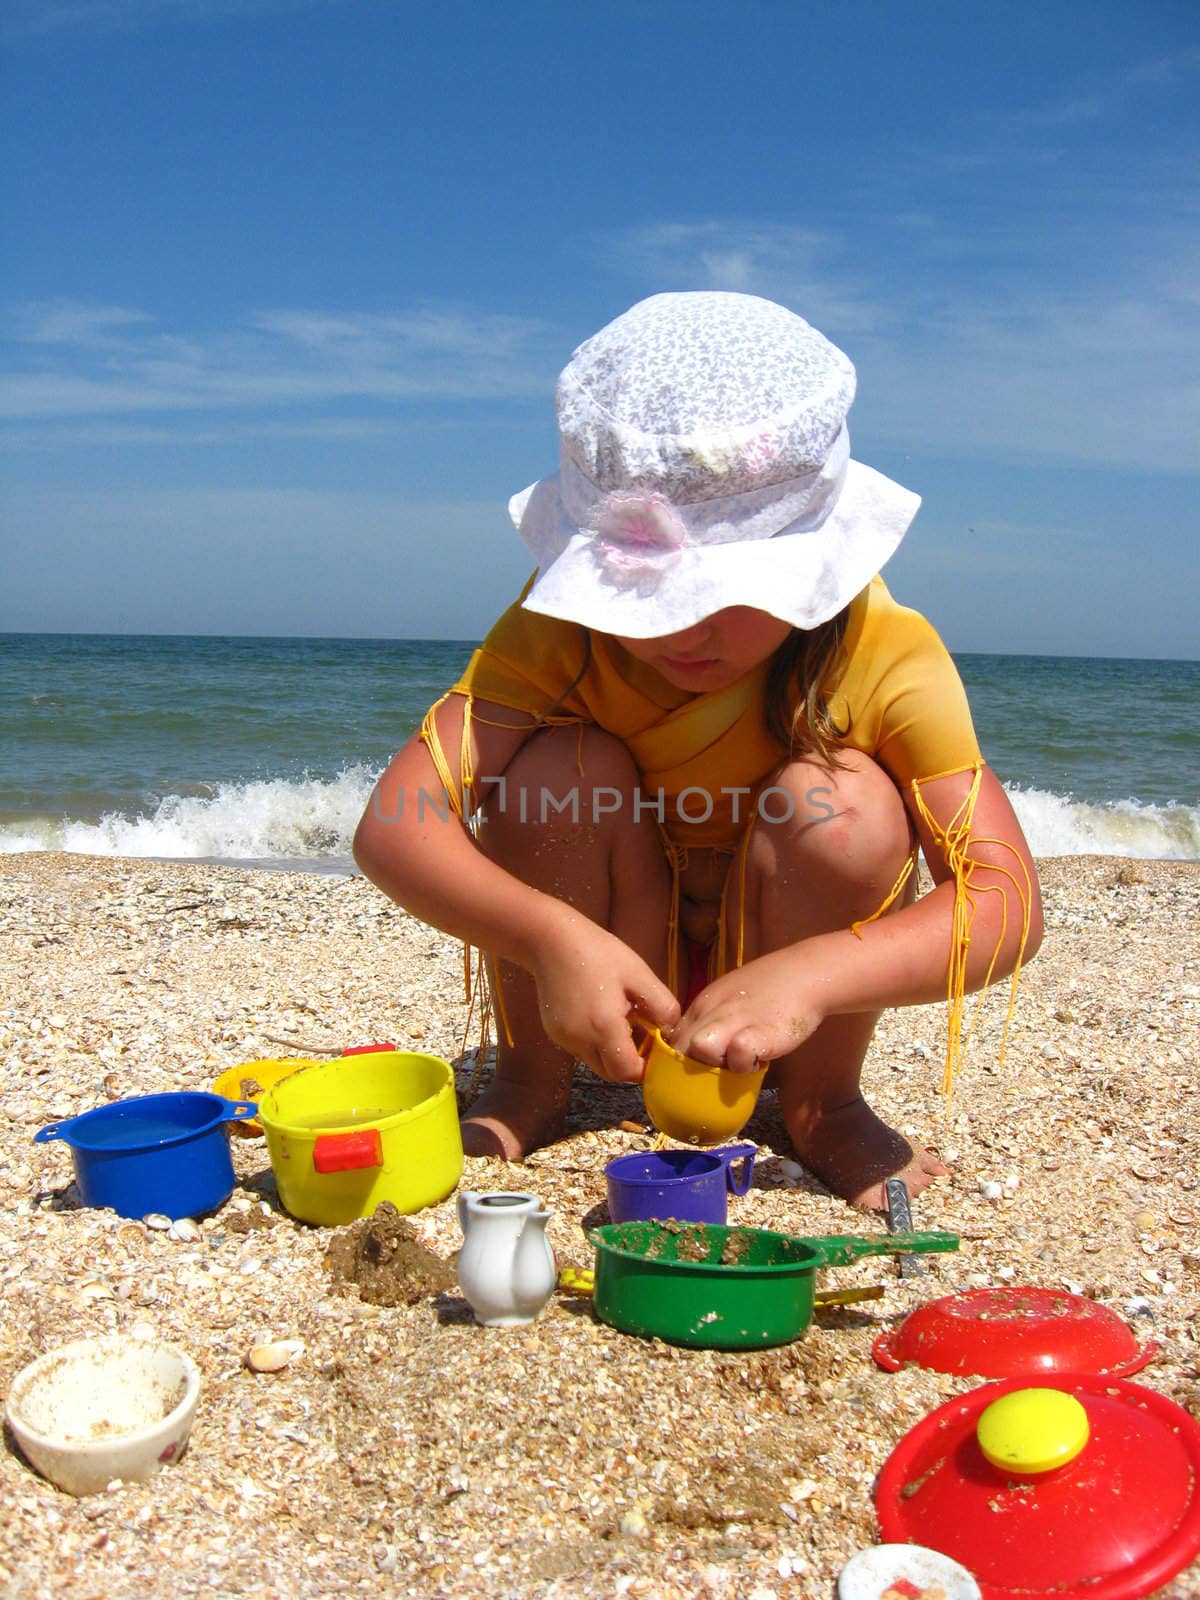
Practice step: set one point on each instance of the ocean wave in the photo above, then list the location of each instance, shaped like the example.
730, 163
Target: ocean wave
306, 819
313, 820
1058, 825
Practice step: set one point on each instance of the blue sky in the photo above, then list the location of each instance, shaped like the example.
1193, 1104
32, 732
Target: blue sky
287, 284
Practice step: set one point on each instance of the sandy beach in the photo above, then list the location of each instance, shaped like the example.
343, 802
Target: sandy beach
405, 1450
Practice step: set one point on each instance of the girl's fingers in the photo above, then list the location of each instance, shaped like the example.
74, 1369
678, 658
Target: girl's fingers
745, 1051
704, 1043
601, 1035
617, 1058
733, 1044
619, 1071
654, 1003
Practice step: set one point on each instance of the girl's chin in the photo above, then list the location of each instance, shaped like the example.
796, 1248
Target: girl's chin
695, 674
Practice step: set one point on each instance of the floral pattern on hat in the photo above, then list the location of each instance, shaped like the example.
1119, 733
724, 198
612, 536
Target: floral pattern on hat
700, 395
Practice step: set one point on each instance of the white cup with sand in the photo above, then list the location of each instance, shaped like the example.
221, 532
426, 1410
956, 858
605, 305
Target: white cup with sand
116, 1406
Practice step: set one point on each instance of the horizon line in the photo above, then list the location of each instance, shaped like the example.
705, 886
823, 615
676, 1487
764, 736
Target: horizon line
473, 643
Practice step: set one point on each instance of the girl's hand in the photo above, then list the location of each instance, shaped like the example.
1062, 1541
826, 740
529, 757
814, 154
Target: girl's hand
751, 1016
589, 983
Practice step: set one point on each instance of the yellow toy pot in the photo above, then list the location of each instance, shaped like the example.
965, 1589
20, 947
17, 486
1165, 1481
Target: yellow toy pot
691, 1101
345, 1135
251, 1081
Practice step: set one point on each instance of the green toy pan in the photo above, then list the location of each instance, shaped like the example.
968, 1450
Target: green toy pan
724, 1288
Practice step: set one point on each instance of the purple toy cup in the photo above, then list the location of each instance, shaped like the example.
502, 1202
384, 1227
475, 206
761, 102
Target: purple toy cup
677, 1185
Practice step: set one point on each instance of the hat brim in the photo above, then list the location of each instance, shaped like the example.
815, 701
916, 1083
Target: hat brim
802, 578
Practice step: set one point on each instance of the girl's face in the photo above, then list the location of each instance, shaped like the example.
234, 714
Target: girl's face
714, 653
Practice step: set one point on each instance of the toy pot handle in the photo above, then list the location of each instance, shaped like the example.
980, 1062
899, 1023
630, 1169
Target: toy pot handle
237, 1110
346, 1152
745, 1153
368, 1049
839, 1250
56, 1130
463, 1205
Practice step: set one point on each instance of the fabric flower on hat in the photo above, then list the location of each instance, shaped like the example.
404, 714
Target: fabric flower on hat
639, 537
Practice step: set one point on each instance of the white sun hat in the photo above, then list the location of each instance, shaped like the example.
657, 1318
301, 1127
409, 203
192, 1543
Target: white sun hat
705, 463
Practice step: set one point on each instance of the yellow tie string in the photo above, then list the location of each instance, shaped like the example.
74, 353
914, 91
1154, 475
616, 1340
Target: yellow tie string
483, 990
955, 841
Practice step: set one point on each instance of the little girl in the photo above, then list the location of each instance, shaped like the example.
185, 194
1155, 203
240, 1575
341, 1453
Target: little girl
685, 776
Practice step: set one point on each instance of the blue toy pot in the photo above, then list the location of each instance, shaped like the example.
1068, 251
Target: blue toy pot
157, 1152
684, 1185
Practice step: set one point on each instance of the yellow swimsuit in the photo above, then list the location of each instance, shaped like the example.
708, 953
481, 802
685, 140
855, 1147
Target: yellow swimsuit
893, 688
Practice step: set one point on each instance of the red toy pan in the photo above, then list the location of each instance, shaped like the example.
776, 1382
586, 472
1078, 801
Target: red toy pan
1013, 1333
1117, 1520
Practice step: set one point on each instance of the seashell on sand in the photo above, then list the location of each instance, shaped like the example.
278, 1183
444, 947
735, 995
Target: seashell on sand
273, 1357
156, 1220
185, 1230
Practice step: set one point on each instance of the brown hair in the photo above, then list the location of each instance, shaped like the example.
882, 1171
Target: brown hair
796, 696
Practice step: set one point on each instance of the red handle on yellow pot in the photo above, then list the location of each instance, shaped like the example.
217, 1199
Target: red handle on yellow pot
343, 1152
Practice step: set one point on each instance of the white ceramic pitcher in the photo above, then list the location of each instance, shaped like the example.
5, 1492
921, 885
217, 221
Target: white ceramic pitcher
506, 1267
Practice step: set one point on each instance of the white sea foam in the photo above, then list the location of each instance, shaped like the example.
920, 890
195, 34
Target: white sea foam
1057, 825
312, 821
309, 819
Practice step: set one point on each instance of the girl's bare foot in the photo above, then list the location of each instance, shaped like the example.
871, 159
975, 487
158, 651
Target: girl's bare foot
852, 1151
522, 1109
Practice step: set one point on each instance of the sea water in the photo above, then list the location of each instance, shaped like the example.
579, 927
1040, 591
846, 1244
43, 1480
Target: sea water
266, 750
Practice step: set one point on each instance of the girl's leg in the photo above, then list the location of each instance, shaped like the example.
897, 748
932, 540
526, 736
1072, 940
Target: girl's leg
600, 857
831, 862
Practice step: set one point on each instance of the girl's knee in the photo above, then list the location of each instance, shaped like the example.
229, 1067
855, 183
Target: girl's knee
849, 819
576, 776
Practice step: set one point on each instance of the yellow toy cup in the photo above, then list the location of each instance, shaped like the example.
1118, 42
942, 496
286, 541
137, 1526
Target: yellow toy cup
251, 1081
345, 1135
690, 1101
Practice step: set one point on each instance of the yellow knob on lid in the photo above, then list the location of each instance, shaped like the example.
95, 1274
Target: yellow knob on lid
1032, 1430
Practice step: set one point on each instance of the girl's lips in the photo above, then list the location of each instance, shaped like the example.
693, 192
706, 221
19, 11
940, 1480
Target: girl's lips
688, 666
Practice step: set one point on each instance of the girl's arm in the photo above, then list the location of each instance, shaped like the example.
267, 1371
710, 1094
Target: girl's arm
767, 1008
413, 846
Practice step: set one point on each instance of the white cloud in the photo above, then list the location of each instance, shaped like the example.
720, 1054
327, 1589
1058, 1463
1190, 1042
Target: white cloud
1104, 376
220, 431
30, 20
807, 268
997, 135
1111, 94
377, 337
962, 349
71, 323
96, 360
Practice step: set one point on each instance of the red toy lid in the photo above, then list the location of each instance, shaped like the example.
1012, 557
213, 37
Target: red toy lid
1010, 1333
1116, 1522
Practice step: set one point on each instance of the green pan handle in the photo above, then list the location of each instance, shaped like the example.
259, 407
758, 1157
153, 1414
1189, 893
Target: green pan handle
840, 1249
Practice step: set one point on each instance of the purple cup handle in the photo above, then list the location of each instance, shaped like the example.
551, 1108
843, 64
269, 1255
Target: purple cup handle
745, 1153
